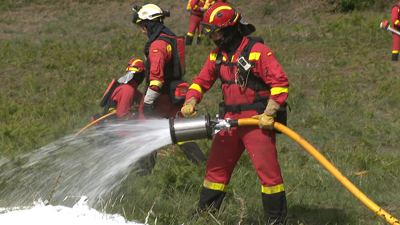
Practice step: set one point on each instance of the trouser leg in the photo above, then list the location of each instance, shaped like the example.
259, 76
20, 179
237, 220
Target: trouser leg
193, 152
395, 46
260, 145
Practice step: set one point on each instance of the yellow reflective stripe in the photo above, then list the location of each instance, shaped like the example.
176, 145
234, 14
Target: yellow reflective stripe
397, 21
190, 34
157, 83
183, 142
237, 17
395, 51
137, 60
254, 56
213, 56
195, 7
224, 58
269, 53
215, 186
272, 190
169, 48
217, 10
147, 6
197, 88
132, 69
278, 90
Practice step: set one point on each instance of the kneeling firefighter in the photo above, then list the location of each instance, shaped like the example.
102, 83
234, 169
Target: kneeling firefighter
254, 85
122, 94
165, 66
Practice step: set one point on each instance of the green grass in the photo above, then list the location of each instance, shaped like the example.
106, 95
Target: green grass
56, 60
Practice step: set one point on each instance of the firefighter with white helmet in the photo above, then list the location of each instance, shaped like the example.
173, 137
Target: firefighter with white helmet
164, 90
253, 85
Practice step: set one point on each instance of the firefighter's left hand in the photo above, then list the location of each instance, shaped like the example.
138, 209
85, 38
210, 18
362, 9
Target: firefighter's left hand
266, 122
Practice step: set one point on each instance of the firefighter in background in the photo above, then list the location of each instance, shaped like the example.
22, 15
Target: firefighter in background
209, 3
256, 88
396, 37
196, 15
162, 74
123, 94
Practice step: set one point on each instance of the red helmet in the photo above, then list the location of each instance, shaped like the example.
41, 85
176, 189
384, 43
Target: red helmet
218, 16
135, 71
135, 64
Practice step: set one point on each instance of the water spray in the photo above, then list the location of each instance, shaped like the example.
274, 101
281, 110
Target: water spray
201, 127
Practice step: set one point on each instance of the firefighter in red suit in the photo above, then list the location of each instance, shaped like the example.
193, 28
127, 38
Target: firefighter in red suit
254, 93
159, 66
127, 94
196, 15
396, 37
209, 3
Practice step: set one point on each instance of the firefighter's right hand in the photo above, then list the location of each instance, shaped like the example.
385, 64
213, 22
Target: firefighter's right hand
266, 122
189, 107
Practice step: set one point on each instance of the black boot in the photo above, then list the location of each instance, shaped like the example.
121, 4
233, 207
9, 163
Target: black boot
199, 40
275, 207
210, 200
193, 152
189, 40
395, 56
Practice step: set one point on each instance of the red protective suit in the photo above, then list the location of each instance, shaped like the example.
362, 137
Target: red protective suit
396, 26
126, 96
160, 54
196, 15
227, 148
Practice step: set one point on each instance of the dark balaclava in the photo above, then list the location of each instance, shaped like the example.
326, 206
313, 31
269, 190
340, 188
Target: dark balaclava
231, 39
154, 28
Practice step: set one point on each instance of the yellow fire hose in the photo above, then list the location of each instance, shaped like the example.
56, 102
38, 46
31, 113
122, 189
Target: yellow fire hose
90, 124
336, 173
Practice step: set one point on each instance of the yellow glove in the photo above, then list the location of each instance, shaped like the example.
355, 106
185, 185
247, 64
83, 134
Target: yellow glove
267, 118
272, 108
189, 107
266, 122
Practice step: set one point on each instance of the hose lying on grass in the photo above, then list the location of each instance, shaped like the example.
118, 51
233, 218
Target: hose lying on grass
335, 172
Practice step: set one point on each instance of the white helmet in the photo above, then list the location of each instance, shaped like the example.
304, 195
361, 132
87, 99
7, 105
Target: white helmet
149, 12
